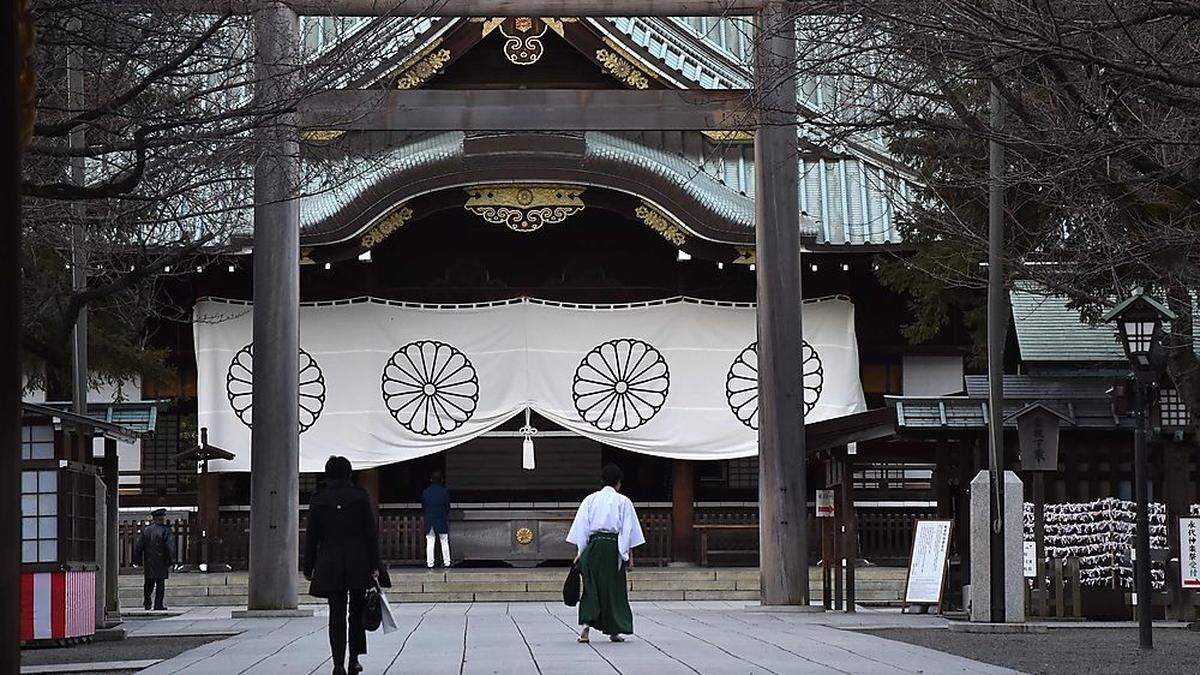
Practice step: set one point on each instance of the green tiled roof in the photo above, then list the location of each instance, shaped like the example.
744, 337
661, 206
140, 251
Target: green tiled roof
1047, 330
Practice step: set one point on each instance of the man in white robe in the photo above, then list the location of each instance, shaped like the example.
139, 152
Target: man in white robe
605, 530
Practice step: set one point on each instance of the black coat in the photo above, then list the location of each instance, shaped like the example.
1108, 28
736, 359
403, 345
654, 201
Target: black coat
341, 546
154, 550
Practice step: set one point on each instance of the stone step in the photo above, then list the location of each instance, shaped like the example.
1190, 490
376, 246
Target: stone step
875, 585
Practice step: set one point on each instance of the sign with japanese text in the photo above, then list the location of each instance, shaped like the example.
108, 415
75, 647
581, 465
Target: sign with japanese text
1037, 431
1189, 552
825, 504
1030, 559
927, 566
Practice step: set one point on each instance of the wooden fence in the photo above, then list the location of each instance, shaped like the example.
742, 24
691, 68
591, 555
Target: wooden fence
885, 536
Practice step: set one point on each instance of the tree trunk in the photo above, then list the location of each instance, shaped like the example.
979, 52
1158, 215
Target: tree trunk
1183, 366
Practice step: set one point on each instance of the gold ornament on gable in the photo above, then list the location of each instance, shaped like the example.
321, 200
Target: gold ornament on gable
619, 67
384, 228
660, 224
523, 39
421, 69
524, 207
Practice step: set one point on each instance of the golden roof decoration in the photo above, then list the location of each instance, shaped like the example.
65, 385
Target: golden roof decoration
524, 207
385, 227
660, 224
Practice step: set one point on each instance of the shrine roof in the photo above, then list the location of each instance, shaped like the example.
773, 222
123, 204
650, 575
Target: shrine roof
443, 161
1048, 330
1031, 388
123, 420
961, 413
711, 182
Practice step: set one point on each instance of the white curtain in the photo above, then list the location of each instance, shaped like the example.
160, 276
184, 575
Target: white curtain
383, 382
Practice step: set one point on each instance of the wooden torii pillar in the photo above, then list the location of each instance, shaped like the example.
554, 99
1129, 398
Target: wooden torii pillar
275, 436
782, 471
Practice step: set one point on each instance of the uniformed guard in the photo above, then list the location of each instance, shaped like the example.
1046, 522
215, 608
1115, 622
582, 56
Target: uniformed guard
155, 552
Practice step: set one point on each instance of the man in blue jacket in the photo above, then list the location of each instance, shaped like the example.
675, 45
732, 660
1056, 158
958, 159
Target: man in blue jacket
436, 502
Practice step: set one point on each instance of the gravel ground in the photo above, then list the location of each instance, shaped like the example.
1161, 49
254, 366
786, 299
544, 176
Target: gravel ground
130, 649
1067, 651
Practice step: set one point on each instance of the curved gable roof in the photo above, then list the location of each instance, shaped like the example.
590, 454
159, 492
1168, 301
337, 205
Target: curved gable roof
702, 204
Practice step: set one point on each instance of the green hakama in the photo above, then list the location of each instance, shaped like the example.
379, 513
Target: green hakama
604, 604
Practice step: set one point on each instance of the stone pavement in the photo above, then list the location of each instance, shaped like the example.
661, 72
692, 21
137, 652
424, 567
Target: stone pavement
672, 637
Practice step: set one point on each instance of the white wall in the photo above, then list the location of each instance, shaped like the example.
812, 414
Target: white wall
932, 375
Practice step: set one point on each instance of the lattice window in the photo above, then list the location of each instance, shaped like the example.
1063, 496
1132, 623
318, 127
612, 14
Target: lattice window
37, 442
1172, 411
894, 476
39, 516
743, 473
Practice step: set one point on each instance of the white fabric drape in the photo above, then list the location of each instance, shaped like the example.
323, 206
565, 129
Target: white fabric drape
383, 382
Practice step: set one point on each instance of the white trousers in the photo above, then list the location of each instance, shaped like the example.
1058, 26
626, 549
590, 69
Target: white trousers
429, 539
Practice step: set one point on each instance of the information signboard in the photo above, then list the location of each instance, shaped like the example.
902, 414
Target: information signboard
824, 503
1030, 559
1189, 552
927, 564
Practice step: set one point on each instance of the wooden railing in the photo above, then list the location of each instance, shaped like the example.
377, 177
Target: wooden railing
656, 527
885, 536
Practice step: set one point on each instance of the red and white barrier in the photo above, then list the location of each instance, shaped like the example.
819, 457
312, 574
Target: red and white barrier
57, 605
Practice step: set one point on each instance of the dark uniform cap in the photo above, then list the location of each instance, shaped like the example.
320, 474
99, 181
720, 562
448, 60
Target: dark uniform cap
158, 513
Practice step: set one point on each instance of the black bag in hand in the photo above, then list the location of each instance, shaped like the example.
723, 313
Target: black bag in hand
572, 586
372, 610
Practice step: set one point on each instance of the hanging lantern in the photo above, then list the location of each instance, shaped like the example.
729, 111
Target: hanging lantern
527, 431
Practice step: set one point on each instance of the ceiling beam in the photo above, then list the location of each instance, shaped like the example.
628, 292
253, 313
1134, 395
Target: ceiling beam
527, 110
476, 8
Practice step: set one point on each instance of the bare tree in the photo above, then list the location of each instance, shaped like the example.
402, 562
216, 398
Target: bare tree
1102, 139
165, 140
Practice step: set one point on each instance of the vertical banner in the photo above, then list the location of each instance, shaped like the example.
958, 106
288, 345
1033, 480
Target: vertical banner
1189, 556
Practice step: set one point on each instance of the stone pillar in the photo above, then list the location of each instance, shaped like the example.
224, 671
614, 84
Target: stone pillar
274, 440
782, 480
683, 512
101, 525
981, 561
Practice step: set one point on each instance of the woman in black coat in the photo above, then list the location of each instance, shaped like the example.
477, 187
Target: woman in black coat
341, 558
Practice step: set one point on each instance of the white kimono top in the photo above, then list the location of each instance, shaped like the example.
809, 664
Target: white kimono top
607, 511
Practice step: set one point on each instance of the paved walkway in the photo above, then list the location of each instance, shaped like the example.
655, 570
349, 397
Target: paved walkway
672, 638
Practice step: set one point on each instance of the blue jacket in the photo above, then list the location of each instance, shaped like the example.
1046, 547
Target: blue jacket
436, 502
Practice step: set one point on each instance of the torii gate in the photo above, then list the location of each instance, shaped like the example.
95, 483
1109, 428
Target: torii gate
274, 517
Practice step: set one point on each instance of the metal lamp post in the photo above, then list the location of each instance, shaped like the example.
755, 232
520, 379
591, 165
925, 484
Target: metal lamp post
1140, 324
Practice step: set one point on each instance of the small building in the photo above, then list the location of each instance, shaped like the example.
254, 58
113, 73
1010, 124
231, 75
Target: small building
68, 508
